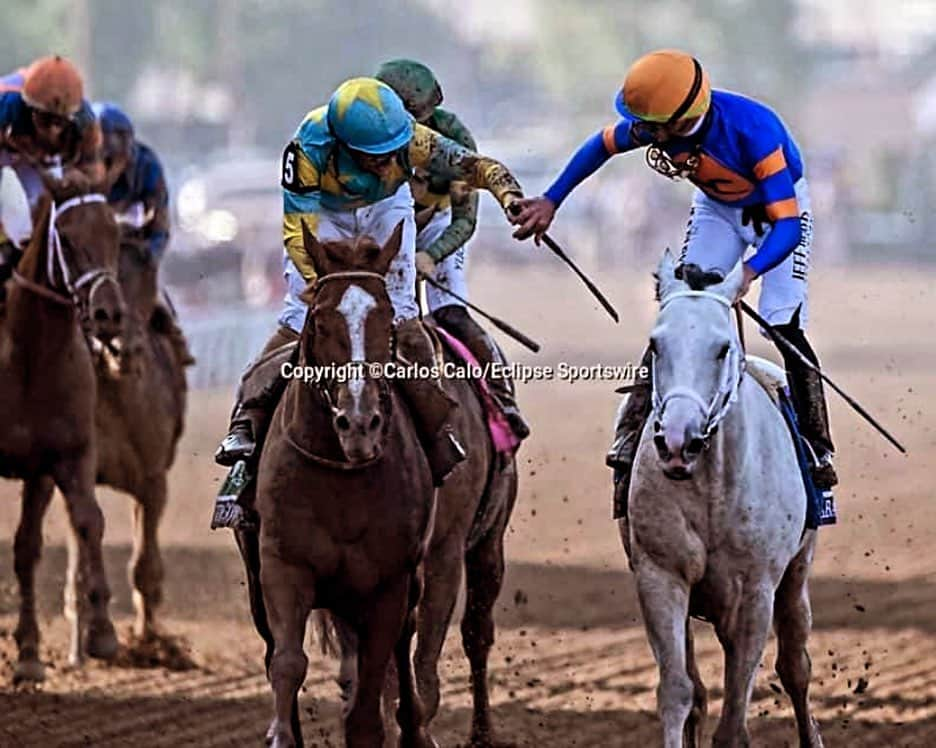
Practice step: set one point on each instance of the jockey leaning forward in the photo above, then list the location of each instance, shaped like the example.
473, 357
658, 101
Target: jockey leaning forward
45, 123
140, 199
442, 244
344, 174
751, 191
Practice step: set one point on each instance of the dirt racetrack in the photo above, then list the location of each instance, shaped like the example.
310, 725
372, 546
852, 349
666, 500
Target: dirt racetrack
571, 666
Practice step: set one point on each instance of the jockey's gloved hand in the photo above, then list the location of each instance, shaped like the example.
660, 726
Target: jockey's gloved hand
425, 265
756, 216
534, 216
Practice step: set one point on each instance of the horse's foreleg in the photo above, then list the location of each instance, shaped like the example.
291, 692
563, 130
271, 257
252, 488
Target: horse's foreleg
793, 621
664, 601
27, 548
411, 716
287, 609
87, 594
146, 569
696, 720
377, 637
248, 543
484, 576
443, 575
743, 641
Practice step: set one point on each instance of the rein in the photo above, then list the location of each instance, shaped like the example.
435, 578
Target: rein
732, 372
322, 388
55, 261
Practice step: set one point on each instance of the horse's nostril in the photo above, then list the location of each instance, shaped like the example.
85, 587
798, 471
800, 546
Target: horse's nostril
117, 316
100, 315
659, 441
695, 446
375, 422
342, 423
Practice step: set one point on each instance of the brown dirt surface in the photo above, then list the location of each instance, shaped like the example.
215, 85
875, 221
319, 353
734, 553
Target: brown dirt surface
571, 666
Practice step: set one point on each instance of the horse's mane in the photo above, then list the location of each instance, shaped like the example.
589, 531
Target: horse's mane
29, 264
693, 276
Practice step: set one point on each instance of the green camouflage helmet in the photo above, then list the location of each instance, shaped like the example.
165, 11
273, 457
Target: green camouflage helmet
414, 83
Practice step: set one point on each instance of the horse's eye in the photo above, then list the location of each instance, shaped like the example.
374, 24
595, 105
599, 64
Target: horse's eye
724, 351
652, 346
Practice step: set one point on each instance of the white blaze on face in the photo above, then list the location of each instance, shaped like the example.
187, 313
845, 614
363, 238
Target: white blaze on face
355, 305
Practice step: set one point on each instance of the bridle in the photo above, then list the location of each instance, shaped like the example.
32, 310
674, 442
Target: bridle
323, 389
57, 265
732, 372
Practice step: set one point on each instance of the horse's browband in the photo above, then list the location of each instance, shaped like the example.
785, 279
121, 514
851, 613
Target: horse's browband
349, 275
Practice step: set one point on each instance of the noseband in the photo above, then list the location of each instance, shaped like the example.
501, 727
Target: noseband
732, 372
56, 262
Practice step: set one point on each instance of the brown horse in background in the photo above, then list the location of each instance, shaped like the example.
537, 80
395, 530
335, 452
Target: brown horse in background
63, 300
345, 500
140, 418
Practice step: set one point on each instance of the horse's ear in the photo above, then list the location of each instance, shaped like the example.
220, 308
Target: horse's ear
666, 279
389, 250
307, 296
732, 284
313, 248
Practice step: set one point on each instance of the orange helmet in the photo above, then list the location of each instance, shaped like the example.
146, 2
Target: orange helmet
53, 85
665, 86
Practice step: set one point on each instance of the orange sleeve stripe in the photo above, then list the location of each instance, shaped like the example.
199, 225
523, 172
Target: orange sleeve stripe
770, 164
788, 208
607, 136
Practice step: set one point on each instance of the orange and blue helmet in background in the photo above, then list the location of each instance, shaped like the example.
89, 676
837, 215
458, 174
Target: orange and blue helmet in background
665, 87
112, 118
53, 85
367, 115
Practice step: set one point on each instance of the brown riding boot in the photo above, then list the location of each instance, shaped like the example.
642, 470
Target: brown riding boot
629, 423
259, 391
456, 320
429, 405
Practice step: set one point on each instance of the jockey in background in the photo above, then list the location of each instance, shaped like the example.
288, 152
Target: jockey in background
345, 174
45, 123
140, 199
442, 249
752, 192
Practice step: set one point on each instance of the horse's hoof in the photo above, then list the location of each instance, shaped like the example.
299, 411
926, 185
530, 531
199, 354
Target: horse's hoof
28, 671
102, 641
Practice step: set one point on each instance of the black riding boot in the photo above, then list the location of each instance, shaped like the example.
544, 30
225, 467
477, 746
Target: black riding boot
456, 320
631, 417
809, 403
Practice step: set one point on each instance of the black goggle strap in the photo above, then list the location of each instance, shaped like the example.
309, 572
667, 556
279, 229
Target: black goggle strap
690, 97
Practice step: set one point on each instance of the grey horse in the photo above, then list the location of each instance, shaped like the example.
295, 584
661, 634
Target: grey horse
717, 518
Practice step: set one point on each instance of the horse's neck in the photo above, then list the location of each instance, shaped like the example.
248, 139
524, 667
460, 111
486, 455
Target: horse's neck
731, 444
306, 419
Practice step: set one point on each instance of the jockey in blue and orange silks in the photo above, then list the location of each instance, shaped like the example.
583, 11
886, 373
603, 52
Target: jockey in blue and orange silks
45, 123
751, 192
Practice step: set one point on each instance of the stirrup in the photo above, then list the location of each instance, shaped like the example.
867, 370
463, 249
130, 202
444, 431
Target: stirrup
238, 445
227, 510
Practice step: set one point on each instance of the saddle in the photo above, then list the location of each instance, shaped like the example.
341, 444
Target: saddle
820, 505
502, 436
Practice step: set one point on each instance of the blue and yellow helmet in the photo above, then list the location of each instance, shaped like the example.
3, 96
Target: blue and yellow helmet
369, 116
112, 118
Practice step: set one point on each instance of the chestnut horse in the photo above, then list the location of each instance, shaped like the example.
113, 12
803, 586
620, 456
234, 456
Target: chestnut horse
345, 501
63, 300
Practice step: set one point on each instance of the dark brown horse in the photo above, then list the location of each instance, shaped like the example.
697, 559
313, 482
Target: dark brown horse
63, 300
473, 509
140, 417
345, 500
